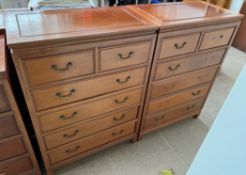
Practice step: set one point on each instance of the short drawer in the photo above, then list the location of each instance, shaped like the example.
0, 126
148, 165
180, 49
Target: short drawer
216, 38
53, 68
4, 105
91, 142
16, 166
11, 148
177, 99
183, 81
173, 113
8, 125
186, 64
86, 129
70, 92
123, 56
89, 109
179, 45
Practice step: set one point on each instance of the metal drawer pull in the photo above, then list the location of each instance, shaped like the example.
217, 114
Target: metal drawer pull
72, 150
221, 36
181, 46
118, 133
191, 107
4, 172
122, 101
174, 68
56, 68
120, 118
63, 117
123, 81
71, 135
59, 94
160, 117
126, 57
196, 93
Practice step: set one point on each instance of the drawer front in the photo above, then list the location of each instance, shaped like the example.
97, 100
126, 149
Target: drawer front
216, 38
12, 148
129, 55
186, 64
91, 142
71, 92
53, 68
88, 110
8, 125
183, 81
173, 113
16, 166
177, 99
179, 45
4, 105
86, 129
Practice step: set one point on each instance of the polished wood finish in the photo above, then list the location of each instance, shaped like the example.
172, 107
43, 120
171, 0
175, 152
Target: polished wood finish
8, 125
4, 104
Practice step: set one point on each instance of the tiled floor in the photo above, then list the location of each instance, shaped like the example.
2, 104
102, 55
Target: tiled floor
172, 147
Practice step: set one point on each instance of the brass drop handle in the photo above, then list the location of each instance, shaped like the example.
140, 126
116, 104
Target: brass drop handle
160, 117
123, 81
4, 171
118, 133
63, 117
71, 135
59, 94
191, 107
174, 68
126, 57
177, 46
73, 150
121, 101
120, 118
56, 67
196, 93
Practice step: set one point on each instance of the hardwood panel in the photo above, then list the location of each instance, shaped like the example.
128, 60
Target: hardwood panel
189, 63
8, 125
85, 129
183, 81
58, 67
11, 148
176, 99
4, 104
216, 38
90, 109
91, 142
179, 45
70, 92
123, 56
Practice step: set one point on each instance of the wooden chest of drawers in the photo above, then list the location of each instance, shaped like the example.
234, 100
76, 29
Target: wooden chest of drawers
16, 153
90, 82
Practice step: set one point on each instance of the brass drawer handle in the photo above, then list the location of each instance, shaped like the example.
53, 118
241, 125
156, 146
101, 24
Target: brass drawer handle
120, 118
63, 117
4, 171
71, 135
160, 117
123, 81
177, 46
56, 68
122, 101
118, 133
174, 68
126, 57
196, 93
59, 94
191, 107
73, 150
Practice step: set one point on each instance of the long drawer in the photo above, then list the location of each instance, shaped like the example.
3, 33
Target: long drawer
89, 109
4, 105
183, 81
70, 92
85, 129
91, 142
8, 125
170, 114
189, 63
177, 99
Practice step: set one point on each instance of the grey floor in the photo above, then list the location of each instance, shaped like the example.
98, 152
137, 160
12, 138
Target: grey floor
172, 147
